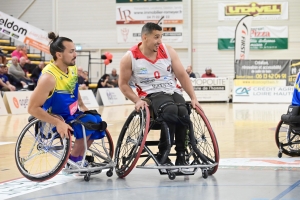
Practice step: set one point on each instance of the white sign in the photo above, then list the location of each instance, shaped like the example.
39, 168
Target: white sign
3, 110
17, 101
110, 96
130, 20
24, 32
261, 11
209, 89
88, 98
263, 94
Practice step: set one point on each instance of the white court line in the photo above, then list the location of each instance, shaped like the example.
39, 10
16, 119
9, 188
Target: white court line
260, 162
4, 143
24, 186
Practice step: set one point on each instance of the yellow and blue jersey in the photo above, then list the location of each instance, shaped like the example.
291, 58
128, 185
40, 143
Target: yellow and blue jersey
296, 93
63, 100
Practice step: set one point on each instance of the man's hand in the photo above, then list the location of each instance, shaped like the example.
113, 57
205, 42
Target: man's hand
140, 104
195, 103
63, 129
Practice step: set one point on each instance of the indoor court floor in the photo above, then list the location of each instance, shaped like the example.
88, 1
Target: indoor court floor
249, 167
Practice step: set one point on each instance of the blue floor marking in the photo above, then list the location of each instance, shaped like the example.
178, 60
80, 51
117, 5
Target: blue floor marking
282, 194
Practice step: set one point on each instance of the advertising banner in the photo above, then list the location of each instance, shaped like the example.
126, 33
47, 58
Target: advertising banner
3, 110
261, 38
242, 38
88, 98
24, 32
130, 20
110, 96
209, 89
261, 10
263, 69
17, 102
262, 94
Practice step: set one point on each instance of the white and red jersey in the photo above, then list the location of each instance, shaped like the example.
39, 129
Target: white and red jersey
153, 76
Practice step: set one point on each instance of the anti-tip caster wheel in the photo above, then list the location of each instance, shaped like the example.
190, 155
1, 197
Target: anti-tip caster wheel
205, 174
109, 173
279, 154
172, 176
87, 177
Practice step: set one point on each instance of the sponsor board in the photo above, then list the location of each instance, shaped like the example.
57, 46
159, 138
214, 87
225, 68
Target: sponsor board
262, 94
3, 110
209, 89
261, 10
88, 98
130, 20
17, 102
110, 96
261, 37
24, 32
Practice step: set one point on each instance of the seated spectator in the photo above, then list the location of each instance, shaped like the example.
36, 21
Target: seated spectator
18, 52
14, 81
114, 78
189, 70
16, 70
27, 67
4, 82
2, 59
37, 72
208, 73
103, 82
83, 79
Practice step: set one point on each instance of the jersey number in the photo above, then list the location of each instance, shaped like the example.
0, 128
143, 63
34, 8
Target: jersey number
156, 74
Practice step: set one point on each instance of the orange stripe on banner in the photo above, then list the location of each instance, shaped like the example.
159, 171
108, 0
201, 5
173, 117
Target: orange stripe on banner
296, 162
36, 45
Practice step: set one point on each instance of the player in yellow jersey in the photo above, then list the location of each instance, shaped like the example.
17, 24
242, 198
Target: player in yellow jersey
57, 92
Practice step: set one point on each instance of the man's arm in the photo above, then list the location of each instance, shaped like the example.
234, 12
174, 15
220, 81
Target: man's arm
125, 75
45, 86
182, 76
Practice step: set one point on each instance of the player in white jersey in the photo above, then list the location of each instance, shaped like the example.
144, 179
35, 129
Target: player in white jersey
154, 68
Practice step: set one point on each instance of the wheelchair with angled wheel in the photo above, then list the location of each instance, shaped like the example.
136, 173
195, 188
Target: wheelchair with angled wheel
40, 152
287, 134
201, 147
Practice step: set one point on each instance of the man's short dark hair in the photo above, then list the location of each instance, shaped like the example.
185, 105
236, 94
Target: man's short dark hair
149, 27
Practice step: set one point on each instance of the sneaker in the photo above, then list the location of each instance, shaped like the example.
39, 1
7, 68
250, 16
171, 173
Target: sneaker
180, 160
167, 162
86, 163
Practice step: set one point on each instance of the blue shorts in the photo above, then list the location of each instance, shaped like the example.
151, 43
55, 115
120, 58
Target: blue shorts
78, 133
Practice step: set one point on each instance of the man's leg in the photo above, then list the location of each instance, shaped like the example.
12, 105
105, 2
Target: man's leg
181, 129
156, 101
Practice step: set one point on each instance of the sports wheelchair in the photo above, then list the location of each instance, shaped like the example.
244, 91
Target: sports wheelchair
287, 134
40, 153
201, 147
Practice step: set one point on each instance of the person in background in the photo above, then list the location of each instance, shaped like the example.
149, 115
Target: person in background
83, 79
208, 73
18, 52
37, 72
113, 78
103, 82
16, 70
4, 82
189, 70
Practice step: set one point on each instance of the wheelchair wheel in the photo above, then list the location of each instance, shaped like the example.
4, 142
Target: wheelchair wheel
284, 135
40, 153
131, 141
205, 139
